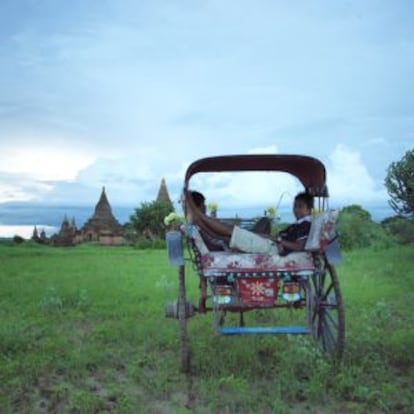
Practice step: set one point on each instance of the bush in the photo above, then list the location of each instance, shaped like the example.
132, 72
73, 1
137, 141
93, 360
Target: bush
18, 239
144, 243
356, 229
402, 229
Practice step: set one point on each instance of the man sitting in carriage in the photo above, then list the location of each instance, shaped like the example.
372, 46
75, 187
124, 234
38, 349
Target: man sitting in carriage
292, 238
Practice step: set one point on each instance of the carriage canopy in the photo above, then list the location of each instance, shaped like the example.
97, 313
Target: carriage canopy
308, 170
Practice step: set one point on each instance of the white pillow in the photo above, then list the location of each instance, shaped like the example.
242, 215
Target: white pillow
322, 230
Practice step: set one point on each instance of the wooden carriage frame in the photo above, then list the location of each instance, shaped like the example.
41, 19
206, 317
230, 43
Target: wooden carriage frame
313, 287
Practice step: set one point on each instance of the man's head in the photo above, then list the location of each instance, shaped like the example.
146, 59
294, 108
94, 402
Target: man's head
303, 205
199, 201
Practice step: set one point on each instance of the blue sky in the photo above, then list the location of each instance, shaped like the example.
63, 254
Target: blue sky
120, 93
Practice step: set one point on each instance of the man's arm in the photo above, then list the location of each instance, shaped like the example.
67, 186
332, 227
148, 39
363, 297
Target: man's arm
295, 238
295, 246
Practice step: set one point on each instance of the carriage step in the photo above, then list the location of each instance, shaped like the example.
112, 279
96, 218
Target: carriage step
299, 330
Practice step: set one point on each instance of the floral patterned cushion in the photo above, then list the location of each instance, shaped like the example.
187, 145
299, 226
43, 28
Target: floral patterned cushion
218, 262
322, 230
254, 262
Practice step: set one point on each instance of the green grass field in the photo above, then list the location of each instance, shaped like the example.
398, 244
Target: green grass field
83, 331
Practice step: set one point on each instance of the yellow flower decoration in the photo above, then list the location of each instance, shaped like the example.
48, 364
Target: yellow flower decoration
271, 211
212, 207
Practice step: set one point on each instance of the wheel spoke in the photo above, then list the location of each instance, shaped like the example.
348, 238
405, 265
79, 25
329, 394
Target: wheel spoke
320, 328
316, 284
328, 335
314, 315
321, 283
326, 294
333, 320
323, 278
321, 334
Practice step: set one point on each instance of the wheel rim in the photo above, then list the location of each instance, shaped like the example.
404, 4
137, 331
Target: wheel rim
326, 309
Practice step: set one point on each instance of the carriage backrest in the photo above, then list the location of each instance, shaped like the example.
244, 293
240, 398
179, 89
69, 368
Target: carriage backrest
322, 230
321, 233
193, 233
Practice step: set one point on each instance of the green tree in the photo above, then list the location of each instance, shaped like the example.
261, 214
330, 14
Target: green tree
401, 228
18, 239
356, 229
357, 212
400, 185
148, 219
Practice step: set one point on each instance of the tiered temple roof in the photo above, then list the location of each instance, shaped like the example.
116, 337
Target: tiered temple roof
103, 221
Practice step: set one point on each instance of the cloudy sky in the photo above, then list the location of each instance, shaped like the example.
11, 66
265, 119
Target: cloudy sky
120, 93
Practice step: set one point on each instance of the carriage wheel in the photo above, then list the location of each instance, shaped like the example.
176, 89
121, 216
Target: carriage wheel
326, 311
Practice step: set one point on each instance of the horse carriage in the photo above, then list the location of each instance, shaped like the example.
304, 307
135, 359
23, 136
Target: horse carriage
236, 282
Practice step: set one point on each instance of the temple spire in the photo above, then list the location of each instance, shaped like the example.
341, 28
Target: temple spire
35, 235
163, 193
103, 207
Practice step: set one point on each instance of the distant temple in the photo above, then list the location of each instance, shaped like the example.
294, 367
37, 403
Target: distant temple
39, 238
163, 193
35, 235
102, 228
67, 235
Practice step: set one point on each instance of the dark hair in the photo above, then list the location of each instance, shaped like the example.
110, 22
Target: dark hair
306, 198
198, 198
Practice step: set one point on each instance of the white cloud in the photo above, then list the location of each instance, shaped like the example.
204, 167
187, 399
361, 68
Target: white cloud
349, 181
40, 159
245, 190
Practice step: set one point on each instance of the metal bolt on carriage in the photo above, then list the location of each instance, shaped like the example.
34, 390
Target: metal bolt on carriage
237, 282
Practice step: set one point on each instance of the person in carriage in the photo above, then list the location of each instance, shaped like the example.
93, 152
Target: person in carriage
212, 243
292, 238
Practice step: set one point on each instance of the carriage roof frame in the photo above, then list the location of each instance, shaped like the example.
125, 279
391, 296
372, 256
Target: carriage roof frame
310, 171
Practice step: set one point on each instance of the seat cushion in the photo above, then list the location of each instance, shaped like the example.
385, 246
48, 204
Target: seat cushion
254, 262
